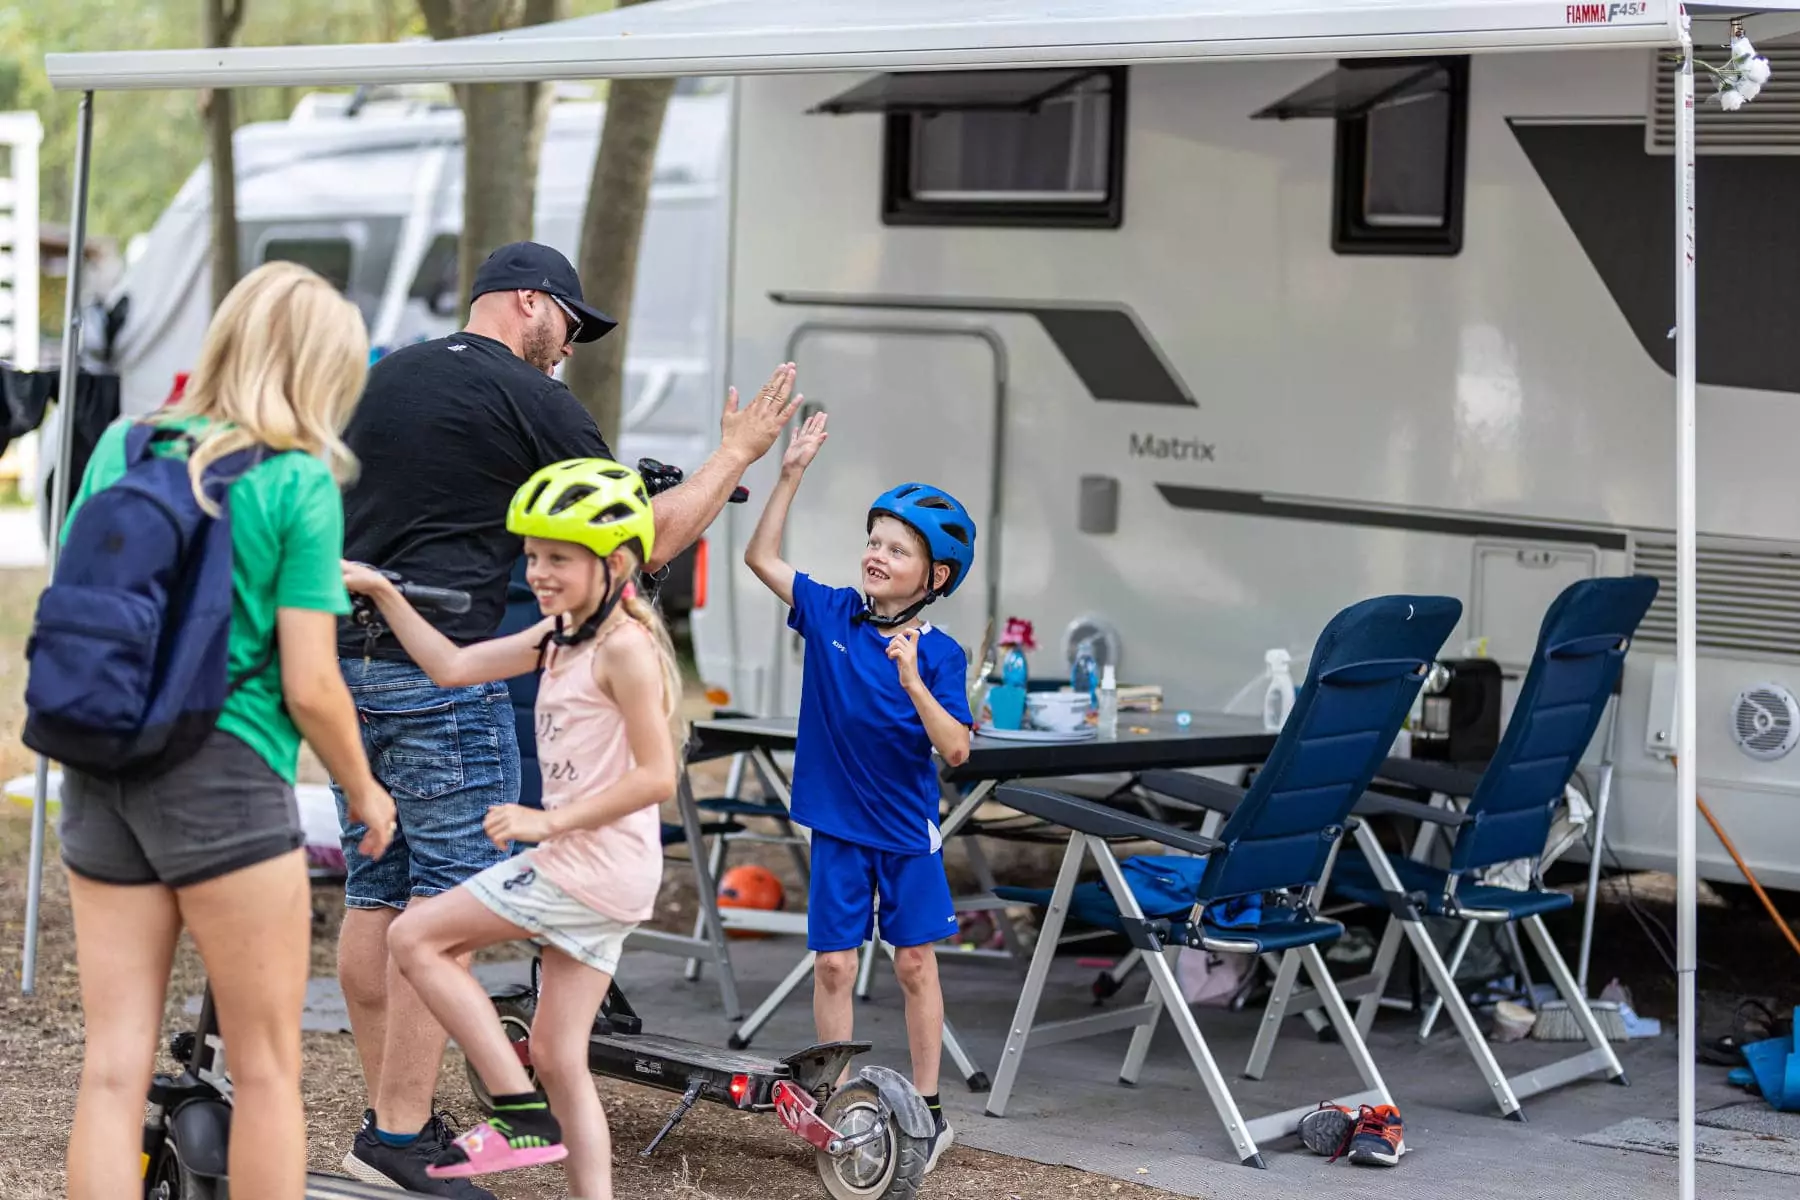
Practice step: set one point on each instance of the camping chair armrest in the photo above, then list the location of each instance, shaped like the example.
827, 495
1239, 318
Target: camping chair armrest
1432, 777
1375, 804
1195, 791
1084, 816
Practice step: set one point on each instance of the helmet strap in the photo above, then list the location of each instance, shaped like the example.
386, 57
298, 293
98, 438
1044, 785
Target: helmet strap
869, 615
591, 626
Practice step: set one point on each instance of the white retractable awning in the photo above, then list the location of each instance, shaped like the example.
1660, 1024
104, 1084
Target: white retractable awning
727, 37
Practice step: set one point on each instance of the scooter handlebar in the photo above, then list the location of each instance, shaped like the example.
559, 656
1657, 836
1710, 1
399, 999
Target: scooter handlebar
442, 599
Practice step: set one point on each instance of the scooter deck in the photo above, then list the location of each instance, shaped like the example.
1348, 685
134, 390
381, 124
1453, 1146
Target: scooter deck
669, 1052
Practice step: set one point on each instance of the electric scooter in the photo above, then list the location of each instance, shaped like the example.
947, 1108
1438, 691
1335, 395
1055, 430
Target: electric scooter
872, 1136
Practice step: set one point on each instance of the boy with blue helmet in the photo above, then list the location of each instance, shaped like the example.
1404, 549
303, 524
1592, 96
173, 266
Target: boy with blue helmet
884, 689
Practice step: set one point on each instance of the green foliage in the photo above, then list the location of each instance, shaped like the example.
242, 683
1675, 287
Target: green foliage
146, 144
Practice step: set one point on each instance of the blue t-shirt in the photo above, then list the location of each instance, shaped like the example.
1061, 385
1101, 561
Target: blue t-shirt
863, 768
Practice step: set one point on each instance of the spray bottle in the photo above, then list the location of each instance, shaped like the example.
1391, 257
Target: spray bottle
1109, 702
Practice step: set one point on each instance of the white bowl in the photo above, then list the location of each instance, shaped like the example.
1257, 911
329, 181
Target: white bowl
1060, 711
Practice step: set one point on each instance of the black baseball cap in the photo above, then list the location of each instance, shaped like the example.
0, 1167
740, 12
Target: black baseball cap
532, 266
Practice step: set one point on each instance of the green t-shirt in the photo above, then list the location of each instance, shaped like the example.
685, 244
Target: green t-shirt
287, 543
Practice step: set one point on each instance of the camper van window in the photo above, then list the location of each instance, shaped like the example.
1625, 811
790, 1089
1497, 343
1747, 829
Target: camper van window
330, 257
1057, 160
1400, 170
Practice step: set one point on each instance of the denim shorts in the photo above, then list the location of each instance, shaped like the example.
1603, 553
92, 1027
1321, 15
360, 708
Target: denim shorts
446, 755
220, 811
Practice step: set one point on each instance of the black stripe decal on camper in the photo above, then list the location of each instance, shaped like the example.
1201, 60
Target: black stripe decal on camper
1475, 525
1106, 345
1619, 204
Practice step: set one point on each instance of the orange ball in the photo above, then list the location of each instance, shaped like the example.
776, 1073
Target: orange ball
750, 886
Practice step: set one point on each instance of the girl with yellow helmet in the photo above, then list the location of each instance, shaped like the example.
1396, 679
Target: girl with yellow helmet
606, 739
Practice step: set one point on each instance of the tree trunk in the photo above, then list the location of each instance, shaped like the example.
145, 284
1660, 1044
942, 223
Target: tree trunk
221, 25
503, 131
617, 198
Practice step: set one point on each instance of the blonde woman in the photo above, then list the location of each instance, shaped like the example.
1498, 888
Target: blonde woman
214, 844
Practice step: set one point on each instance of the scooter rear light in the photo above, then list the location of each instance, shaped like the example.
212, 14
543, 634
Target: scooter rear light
740, 1089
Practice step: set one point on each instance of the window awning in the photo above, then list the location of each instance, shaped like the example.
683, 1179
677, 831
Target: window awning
1354, 88
954, 91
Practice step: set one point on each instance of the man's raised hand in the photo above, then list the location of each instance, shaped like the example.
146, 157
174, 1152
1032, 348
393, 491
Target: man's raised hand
752, 429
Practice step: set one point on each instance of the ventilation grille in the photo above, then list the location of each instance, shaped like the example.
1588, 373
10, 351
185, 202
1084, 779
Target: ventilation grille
1769, 124
1765, 721
1749, 602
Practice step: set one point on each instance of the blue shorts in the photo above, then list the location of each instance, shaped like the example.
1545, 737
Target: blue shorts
846, 878
446, 755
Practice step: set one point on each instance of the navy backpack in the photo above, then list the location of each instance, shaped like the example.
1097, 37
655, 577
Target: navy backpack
127, 655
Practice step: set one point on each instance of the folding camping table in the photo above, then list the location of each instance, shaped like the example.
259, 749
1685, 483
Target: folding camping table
1143, 742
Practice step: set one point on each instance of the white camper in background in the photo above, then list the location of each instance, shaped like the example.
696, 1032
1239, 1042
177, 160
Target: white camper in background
368, 191
1211, 351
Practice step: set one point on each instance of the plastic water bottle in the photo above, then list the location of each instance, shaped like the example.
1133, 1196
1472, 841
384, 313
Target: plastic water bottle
1109, 702
1278, 700
1084, 676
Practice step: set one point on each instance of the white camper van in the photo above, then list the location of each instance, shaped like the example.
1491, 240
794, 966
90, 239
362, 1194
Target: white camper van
1214, 350
367, 190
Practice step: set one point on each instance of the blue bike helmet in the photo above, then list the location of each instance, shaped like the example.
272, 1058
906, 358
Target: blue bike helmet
940, 519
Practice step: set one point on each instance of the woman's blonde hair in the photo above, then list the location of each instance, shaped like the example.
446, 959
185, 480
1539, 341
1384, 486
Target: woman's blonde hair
283, 365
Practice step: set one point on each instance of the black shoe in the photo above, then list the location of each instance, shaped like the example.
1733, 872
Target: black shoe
374, 1161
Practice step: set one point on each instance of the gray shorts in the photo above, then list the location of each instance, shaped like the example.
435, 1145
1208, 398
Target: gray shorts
222, 810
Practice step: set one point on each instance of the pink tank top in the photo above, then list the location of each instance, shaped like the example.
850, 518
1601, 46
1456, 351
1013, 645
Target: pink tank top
616, 869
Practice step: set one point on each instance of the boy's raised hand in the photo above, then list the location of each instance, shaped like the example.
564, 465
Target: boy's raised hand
805, 444
903, 649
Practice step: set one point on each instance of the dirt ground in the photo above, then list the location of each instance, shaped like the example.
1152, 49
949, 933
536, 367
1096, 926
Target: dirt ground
714, 1154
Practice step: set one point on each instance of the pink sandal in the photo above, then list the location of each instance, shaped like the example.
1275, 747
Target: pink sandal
485, 1149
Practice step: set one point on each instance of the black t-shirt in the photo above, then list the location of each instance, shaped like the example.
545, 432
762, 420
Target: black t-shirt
446, 432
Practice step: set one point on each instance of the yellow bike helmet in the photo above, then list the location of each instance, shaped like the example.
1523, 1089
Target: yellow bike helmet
594, 502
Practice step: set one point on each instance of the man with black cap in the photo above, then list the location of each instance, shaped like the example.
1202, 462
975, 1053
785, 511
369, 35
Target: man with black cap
446, 432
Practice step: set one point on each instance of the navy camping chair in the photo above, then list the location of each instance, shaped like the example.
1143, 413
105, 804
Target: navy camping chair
1501, 815
1275, 845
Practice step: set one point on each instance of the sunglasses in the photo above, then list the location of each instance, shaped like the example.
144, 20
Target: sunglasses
573, 319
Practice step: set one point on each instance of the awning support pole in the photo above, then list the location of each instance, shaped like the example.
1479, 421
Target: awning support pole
59, 503
1686, 763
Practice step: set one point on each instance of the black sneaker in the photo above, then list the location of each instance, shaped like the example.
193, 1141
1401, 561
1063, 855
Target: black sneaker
374, 1161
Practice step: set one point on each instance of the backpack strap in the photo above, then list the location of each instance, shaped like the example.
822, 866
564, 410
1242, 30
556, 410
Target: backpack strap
262, 664
144, 434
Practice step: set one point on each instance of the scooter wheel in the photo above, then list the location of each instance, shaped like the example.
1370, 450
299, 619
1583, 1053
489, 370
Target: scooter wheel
515, 1019
167, 1179
891, 1167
